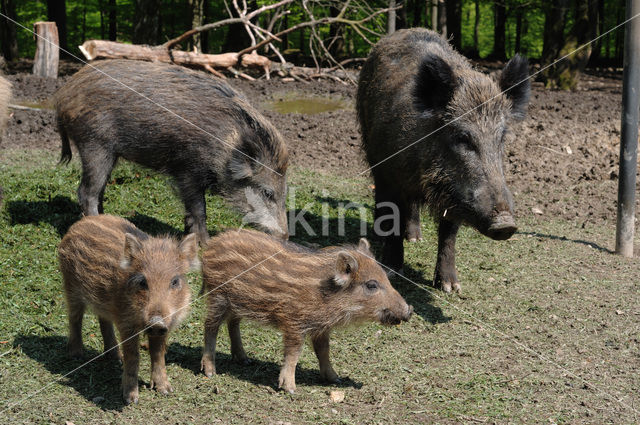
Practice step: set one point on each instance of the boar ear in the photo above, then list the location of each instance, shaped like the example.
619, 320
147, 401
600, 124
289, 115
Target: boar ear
188, 249
435, 84
346, 268
239, 167
516, 83
131, 247
364, 246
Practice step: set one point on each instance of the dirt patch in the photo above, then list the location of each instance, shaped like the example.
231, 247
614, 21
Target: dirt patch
561, 160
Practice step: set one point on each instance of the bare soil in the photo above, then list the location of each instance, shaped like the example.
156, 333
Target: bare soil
561, 161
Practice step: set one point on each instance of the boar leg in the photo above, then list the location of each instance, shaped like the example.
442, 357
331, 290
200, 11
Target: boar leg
211, 326
292, 348
195, 217
413, 233
390, 226
321, 347
76, 313
131, 361
445, 276
157, 348
109, 337
237, 350
95, 173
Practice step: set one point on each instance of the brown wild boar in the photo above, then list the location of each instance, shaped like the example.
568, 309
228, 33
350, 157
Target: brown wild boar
129, 279
298, 290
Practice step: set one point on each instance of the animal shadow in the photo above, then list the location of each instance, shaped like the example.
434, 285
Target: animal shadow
59, 212
258, 372
565, 239
412, 288
153, 226
98, 381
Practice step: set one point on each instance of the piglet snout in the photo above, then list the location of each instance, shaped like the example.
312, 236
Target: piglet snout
157, 326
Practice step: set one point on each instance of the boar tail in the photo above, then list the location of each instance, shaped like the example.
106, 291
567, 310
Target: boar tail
66, 154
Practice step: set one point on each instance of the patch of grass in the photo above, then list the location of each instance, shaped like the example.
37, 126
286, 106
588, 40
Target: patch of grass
553, 289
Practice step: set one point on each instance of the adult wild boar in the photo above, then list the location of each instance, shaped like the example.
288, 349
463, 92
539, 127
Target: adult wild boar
129, 279
413, 83
300, 291
184, 123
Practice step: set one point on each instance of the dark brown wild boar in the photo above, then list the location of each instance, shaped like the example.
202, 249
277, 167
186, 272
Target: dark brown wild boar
412, 84
187, 124
129, 279
300, 291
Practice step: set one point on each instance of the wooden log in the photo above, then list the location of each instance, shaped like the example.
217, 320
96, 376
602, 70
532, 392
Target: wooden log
45, 63
103, 49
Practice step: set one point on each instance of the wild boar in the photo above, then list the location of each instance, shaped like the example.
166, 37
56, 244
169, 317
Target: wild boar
129, 279
187, 124
300, 291
411, 85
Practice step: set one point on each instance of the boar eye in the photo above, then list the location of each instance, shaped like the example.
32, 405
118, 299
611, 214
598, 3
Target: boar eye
138, 280
175, 283
268, 194
465, 141
372, 285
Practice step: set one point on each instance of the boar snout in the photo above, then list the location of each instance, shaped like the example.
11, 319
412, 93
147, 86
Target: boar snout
502, 227
391, 317
157, 326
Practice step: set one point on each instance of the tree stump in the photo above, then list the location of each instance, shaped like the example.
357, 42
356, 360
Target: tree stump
45, 63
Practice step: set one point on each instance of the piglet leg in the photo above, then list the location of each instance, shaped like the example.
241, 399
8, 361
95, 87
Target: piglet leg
292, 348
157, 348
321, 347
131, 361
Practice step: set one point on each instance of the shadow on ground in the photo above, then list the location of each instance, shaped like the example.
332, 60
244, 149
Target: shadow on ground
98, 381
565, 239
258, 372
61, 212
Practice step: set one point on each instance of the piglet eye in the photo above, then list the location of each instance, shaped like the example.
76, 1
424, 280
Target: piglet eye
372, 285
138, 280
175, 283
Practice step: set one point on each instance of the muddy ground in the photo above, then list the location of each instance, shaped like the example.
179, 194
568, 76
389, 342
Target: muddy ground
561, 160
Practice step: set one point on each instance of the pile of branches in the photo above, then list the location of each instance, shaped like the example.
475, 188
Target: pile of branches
367, 22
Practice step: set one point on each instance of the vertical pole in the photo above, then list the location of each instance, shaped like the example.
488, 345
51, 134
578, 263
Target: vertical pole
629, 133
45, 62
391, 20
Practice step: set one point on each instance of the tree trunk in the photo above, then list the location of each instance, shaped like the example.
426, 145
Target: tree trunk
500, 19
553, 36
402, 15
146, 22
336, 38
434, 15
566, 73
197, 20
417, 13
391, 19
45, 63
518, 29
454, 22
442, 18
57, 12
113, 29
596, 24
476, 26
8, 35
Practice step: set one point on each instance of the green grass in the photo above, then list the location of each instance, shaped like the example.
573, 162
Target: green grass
554, 288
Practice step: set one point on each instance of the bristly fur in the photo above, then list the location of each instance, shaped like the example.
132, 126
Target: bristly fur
302, 292
133, 116
97, 268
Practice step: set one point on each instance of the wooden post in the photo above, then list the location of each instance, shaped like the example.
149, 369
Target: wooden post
629, 133
45, 63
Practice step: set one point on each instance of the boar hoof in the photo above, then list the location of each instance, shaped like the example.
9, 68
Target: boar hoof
331, 376
131, 397
446, 287
287, 386
455, 286
208, 368
75, 354
414, 239
164, 389
113, 355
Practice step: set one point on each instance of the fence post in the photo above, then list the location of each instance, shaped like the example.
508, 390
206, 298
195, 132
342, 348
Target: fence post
629, 134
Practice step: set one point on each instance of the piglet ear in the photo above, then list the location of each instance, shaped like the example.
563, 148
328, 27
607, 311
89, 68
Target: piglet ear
516, 84
188, 249
434, 84
364, 246
346, 268
131, 247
